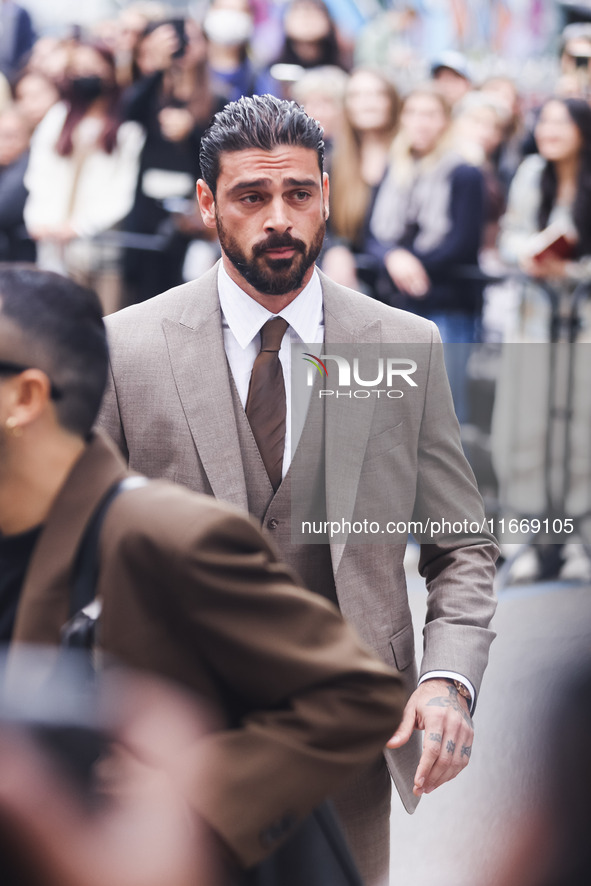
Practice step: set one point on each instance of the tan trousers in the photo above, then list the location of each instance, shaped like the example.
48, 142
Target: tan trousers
364, 811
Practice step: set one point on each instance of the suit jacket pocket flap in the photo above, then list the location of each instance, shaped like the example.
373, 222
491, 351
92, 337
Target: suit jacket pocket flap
403, 647
383, 442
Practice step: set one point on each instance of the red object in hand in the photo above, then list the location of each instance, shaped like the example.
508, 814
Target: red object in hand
554, 242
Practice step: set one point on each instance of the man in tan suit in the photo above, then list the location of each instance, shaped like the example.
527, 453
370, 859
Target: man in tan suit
175, 404
190, 589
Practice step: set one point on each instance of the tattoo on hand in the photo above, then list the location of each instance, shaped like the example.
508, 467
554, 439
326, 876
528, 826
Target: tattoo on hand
466, 751
435, 736
452, 702
451, 746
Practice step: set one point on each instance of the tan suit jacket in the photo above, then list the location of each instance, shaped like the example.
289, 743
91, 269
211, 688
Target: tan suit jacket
192, 591
169, 407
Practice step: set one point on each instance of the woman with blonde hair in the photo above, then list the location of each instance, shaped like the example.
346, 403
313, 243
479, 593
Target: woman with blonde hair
426, 229
428, 220
359, 162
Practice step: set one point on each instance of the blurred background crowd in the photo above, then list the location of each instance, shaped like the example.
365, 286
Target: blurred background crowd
456, 131
429, 110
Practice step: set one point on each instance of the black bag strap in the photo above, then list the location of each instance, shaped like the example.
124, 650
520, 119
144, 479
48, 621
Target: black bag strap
79, 630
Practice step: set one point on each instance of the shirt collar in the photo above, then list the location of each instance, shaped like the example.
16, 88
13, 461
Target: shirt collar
245, 316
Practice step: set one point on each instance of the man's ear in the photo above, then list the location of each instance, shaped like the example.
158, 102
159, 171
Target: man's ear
30, 396
206, 202
325, 194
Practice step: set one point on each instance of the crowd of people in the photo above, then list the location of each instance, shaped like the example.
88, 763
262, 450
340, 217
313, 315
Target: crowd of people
100, 131
442, 171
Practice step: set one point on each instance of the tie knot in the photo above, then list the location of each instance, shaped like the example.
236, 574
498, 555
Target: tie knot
272, 333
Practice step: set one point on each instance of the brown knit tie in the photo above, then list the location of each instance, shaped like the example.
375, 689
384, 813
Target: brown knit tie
265, 404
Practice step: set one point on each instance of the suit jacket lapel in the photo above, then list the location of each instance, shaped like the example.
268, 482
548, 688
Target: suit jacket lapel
347, 423
202, 376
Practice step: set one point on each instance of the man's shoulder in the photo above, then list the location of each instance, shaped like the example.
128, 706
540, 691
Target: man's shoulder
192, 299
358, 310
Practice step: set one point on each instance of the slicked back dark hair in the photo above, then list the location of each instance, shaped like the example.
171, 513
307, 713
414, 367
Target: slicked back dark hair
63, 334
258, 121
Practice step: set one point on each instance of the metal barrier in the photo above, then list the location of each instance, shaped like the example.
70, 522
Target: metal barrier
565, 325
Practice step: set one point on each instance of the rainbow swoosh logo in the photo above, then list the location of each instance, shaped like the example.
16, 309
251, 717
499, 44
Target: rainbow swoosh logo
317, 363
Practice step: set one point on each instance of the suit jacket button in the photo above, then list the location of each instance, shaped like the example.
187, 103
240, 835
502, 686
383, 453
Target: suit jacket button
273, 523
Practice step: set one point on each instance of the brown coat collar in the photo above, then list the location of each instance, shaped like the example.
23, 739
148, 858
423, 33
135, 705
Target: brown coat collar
46, 588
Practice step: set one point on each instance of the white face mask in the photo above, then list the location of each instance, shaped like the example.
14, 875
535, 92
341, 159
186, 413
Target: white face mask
228, 27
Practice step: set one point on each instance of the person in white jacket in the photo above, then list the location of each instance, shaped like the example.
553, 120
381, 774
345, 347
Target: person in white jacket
82, 176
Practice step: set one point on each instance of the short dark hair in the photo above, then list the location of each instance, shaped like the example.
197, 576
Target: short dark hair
63, 331
258, 121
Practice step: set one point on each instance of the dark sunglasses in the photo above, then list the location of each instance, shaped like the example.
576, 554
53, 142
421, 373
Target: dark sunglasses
8, 368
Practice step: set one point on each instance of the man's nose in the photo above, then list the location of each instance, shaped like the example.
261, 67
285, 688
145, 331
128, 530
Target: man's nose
277, 217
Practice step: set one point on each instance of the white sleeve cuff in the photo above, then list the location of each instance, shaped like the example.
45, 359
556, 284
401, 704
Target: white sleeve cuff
452, 675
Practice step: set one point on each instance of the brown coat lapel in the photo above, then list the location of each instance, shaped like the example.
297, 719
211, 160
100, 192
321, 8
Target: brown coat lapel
44, 602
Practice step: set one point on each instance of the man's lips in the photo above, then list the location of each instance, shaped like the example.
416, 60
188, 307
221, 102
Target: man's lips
280, 252
277, 249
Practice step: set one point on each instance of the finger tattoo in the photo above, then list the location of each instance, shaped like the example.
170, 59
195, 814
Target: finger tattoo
435, 736
466, 751
451, 746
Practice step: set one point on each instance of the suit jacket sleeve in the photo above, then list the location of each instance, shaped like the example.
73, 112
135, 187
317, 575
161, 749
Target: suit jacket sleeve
457, 551
306, 705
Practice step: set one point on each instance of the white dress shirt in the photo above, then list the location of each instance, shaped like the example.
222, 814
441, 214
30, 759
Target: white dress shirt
242, 320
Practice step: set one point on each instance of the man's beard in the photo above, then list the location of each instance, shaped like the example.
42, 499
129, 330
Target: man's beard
273, 276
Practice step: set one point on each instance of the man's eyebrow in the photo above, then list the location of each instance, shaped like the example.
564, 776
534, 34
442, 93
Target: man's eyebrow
301, 182
251, 185
239, 187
